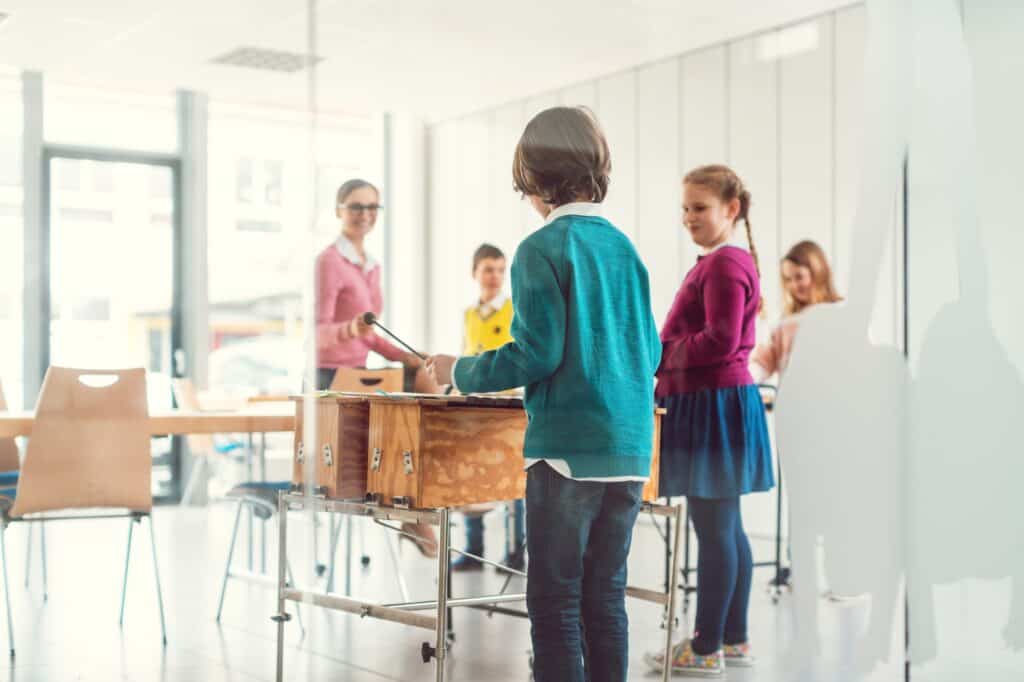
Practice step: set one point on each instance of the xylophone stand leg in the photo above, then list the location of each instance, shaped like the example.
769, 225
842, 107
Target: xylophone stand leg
281, 617
443, 571
673, 591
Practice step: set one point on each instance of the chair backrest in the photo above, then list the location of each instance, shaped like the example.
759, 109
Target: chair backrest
89, 445
354, 380
8, 447
187, 398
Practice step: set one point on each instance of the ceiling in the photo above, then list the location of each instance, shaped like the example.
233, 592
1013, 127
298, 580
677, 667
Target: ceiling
433, 58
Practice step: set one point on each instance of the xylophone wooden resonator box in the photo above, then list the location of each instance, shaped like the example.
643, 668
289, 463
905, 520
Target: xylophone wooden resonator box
338, 466
429, 451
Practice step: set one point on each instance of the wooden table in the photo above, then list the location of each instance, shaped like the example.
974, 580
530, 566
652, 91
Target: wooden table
263, 419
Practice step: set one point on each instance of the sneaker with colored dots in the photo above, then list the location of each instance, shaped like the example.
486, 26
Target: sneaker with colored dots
738, 655
688, 663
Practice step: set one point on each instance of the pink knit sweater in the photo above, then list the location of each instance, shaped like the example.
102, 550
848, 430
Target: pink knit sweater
343, 292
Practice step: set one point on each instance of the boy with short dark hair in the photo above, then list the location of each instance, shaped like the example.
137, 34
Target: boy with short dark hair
586, 348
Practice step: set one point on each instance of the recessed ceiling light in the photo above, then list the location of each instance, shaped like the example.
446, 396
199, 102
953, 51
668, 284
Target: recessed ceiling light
4, 16
266, 60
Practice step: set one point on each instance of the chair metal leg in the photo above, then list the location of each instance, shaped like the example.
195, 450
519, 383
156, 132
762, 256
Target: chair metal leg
231, 553
42, 545
127, 557
156, 575
7, 592
28, 553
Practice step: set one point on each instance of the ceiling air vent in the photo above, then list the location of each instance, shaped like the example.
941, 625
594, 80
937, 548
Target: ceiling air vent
266, 60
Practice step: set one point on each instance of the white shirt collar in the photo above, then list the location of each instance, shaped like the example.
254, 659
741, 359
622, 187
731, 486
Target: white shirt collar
493, 305
349, 253
575, 208
736, 241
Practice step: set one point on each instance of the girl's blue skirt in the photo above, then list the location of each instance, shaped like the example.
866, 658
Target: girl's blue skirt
714, 444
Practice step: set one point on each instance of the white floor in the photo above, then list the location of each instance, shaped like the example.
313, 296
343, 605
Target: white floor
75, 634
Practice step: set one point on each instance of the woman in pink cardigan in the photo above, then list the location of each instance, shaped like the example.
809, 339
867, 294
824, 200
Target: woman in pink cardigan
348, 285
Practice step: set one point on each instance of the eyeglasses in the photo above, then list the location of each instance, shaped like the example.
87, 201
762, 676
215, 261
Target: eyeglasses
359, 208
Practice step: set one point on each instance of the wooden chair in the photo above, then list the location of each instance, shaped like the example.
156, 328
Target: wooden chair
90, 449
358, 380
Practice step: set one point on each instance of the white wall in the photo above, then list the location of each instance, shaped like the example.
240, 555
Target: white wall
781, 108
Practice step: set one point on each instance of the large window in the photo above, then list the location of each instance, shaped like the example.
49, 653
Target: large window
261, 186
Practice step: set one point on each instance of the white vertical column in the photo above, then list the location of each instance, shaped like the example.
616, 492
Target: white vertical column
34, 314
193, 118
444, 197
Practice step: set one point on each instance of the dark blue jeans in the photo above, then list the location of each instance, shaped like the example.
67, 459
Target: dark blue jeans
577, 539
725, 568
515, 537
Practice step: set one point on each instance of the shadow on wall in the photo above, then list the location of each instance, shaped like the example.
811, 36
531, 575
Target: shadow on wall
899, 477
842, 439
968, 400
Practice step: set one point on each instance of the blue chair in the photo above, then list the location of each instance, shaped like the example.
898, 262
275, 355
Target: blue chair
261, 498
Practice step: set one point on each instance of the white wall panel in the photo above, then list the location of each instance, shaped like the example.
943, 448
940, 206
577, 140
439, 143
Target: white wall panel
851, 27
616, 106
703, 96
584, 94
806, 141
784, 113
753, 154
658, 228
472, 220
506, 206
406, 268
443, 148
533, 106
703, 92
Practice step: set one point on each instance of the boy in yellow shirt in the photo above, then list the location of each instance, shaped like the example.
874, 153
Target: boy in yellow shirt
486, 327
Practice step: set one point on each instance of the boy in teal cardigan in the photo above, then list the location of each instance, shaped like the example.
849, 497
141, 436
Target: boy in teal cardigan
586, 349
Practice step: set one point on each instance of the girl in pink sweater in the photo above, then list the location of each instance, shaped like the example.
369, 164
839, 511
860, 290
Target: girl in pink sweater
714, 438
